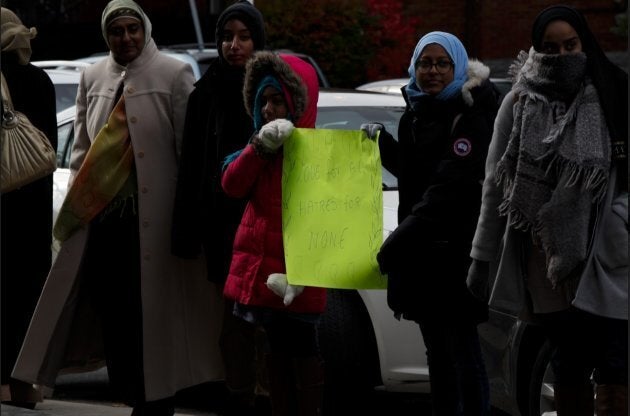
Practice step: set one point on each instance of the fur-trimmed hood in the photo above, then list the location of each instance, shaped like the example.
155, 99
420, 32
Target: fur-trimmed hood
295, 75
477, 73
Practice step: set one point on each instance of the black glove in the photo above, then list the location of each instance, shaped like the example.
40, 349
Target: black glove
382, 262
372, 129
478, 280
389, 255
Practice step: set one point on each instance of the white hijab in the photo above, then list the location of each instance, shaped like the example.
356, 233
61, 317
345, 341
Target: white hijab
115, 5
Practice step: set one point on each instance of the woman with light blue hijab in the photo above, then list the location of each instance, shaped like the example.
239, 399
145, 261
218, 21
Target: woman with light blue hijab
458, 55
439, 161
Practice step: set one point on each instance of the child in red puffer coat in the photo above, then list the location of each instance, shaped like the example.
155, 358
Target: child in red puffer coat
280, 91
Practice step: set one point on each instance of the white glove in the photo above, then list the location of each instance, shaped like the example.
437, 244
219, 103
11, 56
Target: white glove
273, 134
277, 283
372, 129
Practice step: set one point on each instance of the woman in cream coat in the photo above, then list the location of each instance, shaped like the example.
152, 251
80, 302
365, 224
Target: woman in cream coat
160, 314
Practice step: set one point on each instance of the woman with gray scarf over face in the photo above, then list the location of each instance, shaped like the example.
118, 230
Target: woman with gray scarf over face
555, 210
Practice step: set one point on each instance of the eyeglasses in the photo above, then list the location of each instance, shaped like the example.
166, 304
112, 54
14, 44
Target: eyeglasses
442, 67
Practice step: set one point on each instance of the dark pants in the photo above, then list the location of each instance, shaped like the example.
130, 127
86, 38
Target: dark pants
238, 343
459, 383
112, 277
292, 338
587, 345
296, 373
25, 259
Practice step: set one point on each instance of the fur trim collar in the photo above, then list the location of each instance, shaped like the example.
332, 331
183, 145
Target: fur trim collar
477, 74
268, 63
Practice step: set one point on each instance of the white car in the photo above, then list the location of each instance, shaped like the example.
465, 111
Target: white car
391, 86
65, 136
65, 76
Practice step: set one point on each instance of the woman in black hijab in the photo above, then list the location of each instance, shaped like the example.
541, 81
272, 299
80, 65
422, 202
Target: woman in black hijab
204, 218
554, 210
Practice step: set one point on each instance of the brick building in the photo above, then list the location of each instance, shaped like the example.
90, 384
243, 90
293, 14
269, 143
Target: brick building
495, 30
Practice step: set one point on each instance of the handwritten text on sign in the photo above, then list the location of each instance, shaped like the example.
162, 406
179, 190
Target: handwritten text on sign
332, 209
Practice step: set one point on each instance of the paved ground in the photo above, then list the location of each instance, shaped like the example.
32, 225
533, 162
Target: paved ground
399, 405
89, 403
88, 394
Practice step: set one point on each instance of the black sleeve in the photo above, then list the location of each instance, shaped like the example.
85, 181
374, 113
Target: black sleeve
388, 147
186, 231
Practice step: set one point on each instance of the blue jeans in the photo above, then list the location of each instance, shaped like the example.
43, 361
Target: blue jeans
459, 383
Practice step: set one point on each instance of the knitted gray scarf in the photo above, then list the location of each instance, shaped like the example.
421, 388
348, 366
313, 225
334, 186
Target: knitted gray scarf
556, 164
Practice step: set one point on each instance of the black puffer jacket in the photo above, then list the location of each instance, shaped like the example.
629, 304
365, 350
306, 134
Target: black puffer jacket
439, 160
216, 126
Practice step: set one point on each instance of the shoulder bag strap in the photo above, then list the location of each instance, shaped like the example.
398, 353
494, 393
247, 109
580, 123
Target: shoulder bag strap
7, 103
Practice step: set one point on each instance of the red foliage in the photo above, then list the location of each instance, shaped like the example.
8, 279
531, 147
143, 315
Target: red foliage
354, 41
393, 37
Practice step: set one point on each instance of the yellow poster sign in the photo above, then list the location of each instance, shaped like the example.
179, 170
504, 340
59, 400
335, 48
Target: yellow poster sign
332, 209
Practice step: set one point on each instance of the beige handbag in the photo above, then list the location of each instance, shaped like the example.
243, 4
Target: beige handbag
26, 153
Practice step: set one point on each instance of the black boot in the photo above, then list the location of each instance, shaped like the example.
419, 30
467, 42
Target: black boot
281, 385
162, 407
20, 394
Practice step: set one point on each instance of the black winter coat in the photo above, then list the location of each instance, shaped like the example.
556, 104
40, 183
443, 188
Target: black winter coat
439, 160
26, 214
204, 218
